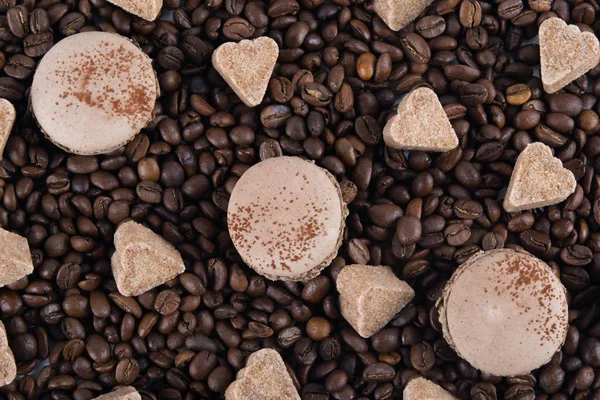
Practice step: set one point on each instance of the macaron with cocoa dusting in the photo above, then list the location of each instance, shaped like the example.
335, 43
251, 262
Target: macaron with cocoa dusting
286, 218
505, 312
93, 92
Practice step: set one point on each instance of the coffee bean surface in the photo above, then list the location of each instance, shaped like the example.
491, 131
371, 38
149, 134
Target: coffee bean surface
338, 78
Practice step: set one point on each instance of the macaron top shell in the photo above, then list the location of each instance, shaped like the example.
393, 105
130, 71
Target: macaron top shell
286, 218
93, 92
504, 312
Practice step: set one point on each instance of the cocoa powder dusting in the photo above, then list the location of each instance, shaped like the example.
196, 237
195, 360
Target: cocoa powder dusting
523, 275
293, 242
102, 79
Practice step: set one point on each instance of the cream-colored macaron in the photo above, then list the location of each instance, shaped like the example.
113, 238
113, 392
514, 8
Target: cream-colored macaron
505, 312
93, 92
286, 218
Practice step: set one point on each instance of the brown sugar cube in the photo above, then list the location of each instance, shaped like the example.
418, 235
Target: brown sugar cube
370, 296
142, 259
15, 258
7, 120
566, 53
397, 14
124, 393
8, 367
247, 67
145, 9
264, 377
421, 124
423, 389
538, 179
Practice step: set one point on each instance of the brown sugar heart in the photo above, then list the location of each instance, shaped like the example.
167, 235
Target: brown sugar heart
566, 53
423, 389
397, 14
142, 259
538, 180
124, 393
7, 120
264, 377
370, 296
15, 257
8, 367
247, 67
421, 124
145, 9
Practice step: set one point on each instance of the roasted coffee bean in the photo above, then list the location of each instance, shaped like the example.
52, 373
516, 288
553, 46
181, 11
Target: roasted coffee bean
416, 48
281, 90
565, 103
408, 230
378, 372
18, 21
336, 83
149, 192
39, 20
470, 14
37, 44
457, 234
576, 255
368, 129
473, 94
422, 356
237, 29
19, 66
535, 242
430, 27
316, 94
10, 89
508, 9
71, 23
127, 370
468, 209
274, 116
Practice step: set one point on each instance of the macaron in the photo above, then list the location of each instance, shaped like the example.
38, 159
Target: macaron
505, 312
93, 92
286, 218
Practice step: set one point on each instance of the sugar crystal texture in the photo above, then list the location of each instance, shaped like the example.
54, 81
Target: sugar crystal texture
7, 120
423, 389
264, 378
370, 296
566, 53
538, 179
145, 9
247, 67
143, 259
397, 14
124, 393
8, 367
421, 124
93, 92
505, 312
15, 257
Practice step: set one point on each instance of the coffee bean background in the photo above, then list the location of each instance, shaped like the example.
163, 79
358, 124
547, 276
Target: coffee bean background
339, 74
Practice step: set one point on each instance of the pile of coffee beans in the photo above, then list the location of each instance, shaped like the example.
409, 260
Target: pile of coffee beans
340, 72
